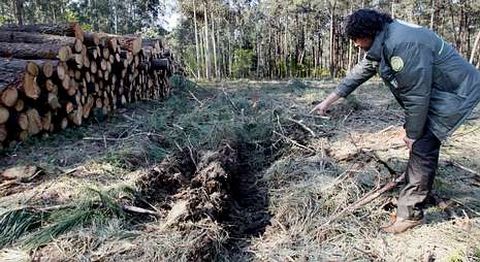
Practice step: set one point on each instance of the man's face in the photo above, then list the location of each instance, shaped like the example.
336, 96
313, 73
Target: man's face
364, 42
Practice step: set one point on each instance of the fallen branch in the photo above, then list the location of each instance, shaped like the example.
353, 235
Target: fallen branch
316, 116
195, 98
465, 206
372, 195
302, 125
455, 164
295, 142
139, 210
367, 198
229, 99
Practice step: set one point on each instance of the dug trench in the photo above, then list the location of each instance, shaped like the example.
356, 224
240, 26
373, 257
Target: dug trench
220, 187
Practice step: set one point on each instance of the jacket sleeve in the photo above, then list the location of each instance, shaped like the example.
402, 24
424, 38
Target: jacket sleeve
414, 84
363, 71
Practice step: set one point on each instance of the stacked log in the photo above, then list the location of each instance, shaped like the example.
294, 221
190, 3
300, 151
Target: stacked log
55, 75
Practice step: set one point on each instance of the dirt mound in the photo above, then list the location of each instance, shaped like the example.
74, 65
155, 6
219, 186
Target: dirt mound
216, 186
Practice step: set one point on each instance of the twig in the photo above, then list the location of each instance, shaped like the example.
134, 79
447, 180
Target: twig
177, 126
387, 128
465, 206
466, 133
139, 210
123, 138
316, 116
128, 129
302, 125
195, 98
105, 141
376, 193
295, 142
229, 99
128, 117
367, 198
347, 116
44, 209
455, 164
279, 124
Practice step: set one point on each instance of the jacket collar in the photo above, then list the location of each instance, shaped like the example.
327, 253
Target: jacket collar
376, 50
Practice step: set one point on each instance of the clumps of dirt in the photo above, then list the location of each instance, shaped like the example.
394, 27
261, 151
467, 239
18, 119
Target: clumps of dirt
17, 179
213, 186
208, 194
166, 179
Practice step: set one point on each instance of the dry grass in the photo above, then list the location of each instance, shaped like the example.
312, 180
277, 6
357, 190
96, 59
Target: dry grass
306, 169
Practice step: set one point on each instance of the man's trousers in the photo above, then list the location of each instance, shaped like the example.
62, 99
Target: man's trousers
421, 169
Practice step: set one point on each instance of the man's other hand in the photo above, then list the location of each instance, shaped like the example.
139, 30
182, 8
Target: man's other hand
320, 109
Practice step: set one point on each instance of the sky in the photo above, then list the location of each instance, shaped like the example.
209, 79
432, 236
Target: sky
172, 16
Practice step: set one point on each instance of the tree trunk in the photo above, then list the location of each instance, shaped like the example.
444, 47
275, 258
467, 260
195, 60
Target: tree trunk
474, 48
161, 64
35, 51
207, 48
332, 40
20, 11
432, 16
197, 48
35, 38
91, 39
214, 47
13, 75
66, 29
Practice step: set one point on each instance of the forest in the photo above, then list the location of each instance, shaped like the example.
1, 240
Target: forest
255, 39
129, 135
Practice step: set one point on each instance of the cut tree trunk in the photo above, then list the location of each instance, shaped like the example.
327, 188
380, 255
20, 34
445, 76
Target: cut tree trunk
91, 39
13, 75
35, 51
130, 43
34, 122
4, 115
9, 96
160, 64
36, 38
45, 67
65, 29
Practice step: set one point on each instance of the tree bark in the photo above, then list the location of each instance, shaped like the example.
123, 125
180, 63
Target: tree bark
332, 40
91, 39
214, 47
474, 48
35, 51
160, 64
35, 38
207, 48
66, 29
132, 44
20, 11
197, 48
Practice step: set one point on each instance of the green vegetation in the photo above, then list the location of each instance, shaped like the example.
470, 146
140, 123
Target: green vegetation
302, 171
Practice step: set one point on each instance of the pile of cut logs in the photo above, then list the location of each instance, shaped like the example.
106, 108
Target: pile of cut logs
56, 75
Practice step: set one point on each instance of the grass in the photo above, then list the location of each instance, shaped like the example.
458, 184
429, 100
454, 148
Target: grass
45, 224
307, 179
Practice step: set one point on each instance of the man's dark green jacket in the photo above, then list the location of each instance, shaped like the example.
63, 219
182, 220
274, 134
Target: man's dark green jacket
436, 87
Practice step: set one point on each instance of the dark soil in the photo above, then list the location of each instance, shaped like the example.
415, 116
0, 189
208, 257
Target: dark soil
221, 186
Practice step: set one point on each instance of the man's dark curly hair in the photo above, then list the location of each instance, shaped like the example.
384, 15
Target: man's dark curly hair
365, 23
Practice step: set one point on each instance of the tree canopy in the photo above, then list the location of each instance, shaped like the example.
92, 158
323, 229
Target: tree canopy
256, 38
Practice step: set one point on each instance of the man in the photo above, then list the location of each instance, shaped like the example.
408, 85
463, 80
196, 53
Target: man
435, 86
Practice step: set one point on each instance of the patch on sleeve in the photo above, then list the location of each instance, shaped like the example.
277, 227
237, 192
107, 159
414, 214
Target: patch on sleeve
397, 63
